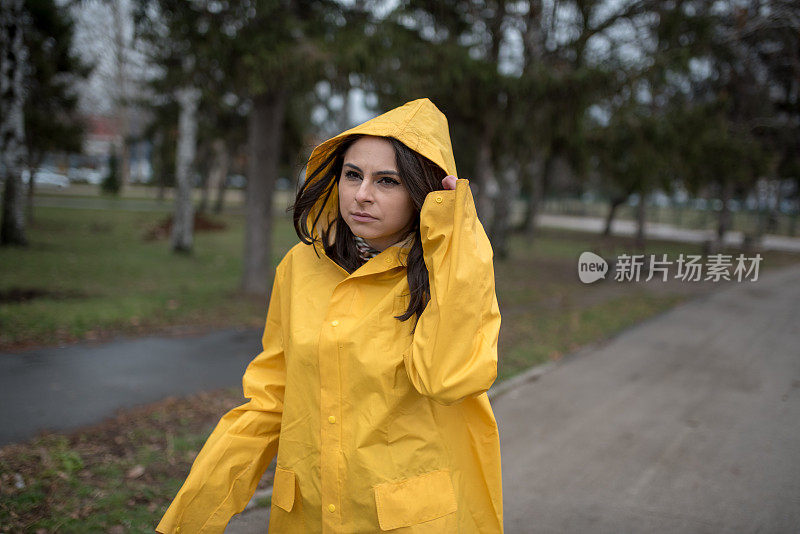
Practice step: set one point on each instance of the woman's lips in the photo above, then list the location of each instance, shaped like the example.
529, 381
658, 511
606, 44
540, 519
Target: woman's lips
363, 218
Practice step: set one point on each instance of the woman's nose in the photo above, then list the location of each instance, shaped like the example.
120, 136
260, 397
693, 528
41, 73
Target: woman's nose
364, 192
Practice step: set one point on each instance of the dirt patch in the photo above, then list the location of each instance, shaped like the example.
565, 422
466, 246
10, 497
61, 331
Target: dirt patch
201, 224
17, 295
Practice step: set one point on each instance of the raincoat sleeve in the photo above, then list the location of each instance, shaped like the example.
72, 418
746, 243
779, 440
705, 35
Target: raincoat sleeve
226, 472
453, 354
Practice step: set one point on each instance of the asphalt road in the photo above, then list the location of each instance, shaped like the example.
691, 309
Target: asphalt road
69, 387
688, 423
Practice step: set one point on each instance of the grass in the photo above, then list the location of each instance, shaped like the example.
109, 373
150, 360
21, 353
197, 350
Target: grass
547, 312
96, 275
118, 476
102, 278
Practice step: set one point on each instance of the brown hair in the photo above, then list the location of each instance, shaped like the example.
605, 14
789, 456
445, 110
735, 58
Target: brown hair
420, 177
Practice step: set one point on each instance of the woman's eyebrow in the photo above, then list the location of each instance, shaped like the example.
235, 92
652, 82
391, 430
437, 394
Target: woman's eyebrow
356, 167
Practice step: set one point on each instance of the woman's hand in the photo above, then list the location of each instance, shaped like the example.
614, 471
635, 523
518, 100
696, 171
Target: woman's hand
449, 182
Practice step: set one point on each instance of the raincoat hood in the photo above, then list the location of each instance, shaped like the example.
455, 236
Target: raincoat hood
418, 124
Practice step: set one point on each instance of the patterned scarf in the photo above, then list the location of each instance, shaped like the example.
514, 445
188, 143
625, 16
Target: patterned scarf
365, 252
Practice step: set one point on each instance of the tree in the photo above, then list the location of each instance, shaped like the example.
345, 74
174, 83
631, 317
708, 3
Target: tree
634, 154
450, 53
176, 43
52, 122
268, 54
183, 215
281, 50
571, 63
771, 32
13, 61
111, 184
115, 85
738, 107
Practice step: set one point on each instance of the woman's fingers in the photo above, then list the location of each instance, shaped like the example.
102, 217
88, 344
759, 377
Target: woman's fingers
449, 182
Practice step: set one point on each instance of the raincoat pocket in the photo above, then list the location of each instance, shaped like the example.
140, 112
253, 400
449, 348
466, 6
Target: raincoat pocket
283, 489
415, 500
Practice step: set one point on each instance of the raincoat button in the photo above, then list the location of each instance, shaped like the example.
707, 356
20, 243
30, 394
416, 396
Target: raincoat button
331, 508
331, 419
438, 200
334, 323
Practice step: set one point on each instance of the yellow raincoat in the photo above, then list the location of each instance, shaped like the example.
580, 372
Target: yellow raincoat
375, 429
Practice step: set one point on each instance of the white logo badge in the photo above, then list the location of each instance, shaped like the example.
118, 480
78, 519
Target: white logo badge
591, 267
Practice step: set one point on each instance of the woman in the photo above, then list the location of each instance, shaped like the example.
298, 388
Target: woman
380, 343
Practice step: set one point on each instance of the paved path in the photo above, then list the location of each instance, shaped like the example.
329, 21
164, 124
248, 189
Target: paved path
687, 423
65, 388
664, 231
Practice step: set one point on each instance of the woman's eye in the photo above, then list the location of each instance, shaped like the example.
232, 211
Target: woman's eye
352, 174
391, 181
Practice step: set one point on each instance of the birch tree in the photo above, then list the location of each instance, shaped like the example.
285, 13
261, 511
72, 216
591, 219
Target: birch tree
183, 214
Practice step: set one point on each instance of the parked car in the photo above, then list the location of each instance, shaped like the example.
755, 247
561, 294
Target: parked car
86, 175
236, 181
46, 178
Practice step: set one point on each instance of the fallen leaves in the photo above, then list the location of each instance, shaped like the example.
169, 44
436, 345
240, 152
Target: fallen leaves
135, 472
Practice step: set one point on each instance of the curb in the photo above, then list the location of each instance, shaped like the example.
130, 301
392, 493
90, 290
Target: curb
518, 380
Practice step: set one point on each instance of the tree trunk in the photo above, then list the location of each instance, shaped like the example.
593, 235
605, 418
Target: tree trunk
641, 216
35, 159
486, 179
219, 171
502, 214
12, 121
183, 217
265, 135
724, 219
540, 180
205, 161
159, 165
216, 171
205, 180
29, 197
219, 204
774, 209
162, 188
121, 76
615, 203
527, 175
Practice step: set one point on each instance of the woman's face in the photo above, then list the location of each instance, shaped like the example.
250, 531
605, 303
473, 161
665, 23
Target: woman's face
372, 198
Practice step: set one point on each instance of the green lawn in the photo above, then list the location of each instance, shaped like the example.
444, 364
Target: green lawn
90, 274
96, 274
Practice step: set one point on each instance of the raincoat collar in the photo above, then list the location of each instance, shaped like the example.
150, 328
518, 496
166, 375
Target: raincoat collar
418, 124
392, 256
